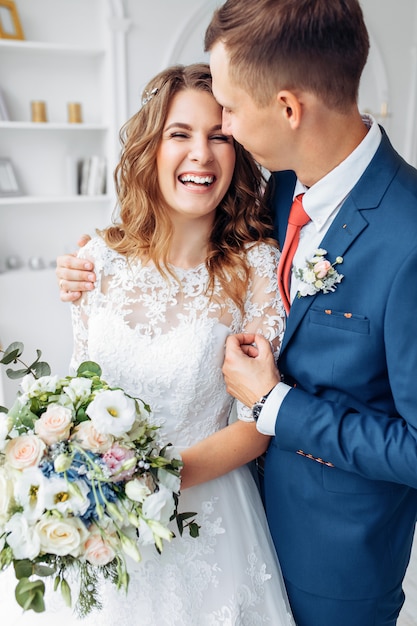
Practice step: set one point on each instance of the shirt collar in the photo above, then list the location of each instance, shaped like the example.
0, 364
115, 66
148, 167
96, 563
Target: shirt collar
325, 197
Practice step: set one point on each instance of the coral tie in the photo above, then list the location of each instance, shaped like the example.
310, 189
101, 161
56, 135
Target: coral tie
297, 219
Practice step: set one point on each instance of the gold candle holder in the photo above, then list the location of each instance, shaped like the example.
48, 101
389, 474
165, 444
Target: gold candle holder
38, 108
74, 113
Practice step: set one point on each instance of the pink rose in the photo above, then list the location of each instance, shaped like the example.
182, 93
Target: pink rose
54, 425
117, 457
321, 268
98, 551
89, 439
25, 451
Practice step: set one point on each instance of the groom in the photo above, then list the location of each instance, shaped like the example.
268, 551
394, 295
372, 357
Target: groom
341, 471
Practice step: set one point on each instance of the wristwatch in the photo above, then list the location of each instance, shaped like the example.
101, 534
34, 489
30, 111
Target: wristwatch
257, 407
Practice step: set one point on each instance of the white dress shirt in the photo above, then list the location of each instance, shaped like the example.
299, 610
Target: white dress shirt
322, 203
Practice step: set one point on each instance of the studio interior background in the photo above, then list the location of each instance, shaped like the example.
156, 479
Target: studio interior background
71, 73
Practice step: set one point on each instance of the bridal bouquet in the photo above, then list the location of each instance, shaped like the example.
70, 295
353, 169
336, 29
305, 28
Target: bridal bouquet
84, 481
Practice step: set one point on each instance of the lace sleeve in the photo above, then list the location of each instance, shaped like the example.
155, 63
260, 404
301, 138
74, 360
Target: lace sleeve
264, 311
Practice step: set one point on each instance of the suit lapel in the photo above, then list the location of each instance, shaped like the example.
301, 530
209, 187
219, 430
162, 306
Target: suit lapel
347, 226
351, 221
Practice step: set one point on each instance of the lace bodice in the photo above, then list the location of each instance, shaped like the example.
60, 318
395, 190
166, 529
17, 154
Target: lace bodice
163, 340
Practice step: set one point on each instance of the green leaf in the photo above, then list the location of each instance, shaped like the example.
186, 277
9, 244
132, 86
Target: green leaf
194, 529
41, 369
12, 352
3, 409
30, 595
14, 374
81, 415
43, 570
66, 592
23, 568
185, 516
88, 369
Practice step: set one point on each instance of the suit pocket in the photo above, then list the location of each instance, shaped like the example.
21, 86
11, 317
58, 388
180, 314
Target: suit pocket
343, 321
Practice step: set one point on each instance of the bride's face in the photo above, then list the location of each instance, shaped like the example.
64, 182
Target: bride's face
195, 160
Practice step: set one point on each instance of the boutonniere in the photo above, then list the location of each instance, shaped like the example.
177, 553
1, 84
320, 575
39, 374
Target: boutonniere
318, 275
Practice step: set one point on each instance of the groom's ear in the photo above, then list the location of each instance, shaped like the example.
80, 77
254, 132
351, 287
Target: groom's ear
290, 107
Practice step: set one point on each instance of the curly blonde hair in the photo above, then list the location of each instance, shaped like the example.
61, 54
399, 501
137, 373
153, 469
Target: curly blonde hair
143, 227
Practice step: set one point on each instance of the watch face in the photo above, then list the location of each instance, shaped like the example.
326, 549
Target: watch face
256, 410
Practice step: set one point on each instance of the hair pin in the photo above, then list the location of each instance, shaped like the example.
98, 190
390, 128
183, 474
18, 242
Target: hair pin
149, 95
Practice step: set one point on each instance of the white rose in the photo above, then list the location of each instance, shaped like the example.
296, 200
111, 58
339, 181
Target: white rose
54, 424
23, 538
112, 412
88, 438
25, 451
6, 494
79, 390
62, 536
97, 550
159, 506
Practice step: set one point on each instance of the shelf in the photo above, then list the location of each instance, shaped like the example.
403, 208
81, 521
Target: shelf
38, 46
79, 199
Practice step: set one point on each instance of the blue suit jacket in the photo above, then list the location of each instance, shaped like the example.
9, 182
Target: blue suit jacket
346, 531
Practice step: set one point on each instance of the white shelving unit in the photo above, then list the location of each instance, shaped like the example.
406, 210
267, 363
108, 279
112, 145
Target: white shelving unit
73, 51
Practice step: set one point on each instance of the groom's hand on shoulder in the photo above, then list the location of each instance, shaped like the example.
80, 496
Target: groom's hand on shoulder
74, 275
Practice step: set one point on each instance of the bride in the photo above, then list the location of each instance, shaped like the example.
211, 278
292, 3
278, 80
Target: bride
187, 263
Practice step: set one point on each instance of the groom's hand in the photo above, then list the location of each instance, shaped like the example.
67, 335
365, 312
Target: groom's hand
249, 367
74, 275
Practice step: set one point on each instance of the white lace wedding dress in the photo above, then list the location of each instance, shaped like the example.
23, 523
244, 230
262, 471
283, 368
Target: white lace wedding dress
165, 344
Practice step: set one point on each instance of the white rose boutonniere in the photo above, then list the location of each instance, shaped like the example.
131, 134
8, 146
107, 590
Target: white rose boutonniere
318, 275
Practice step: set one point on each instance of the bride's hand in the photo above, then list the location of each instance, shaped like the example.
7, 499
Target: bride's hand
74, 275
249, 367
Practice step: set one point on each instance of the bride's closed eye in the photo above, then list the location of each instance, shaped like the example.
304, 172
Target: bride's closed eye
221, 138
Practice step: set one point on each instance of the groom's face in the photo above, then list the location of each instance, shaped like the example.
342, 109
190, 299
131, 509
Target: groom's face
259, 129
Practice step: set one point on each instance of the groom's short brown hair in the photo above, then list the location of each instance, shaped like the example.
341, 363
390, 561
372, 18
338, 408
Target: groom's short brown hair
319, 46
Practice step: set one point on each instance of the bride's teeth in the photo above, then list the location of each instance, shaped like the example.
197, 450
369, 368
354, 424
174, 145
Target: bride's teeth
198, 180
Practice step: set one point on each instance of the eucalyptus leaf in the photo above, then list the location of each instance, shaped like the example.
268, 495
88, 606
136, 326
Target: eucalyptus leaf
30, 595
41, 369
88, 369
23, 568
14, 374
41, 569
12, 352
